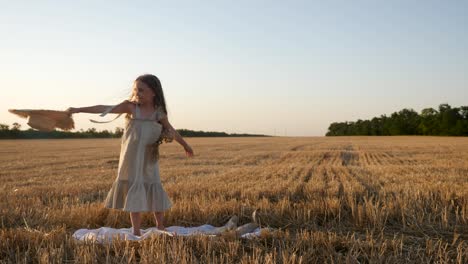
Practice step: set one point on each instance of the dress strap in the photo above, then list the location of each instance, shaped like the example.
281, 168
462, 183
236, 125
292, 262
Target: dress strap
137, 111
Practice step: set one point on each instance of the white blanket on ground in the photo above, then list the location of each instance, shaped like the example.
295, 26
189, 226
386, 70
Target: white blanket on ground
106, 234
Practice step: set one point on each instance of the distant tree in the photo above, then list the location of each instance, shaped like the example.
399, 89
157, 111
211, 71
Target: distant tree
16, 126
429, 124
461, 128
5, 133
446, 121
375, 126
118, 132
464, 112
444, 107
410, 120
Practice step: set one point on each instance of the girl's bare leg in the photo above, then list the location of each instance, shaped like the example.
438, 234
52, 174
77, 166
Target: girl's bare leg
135, 217
159, 217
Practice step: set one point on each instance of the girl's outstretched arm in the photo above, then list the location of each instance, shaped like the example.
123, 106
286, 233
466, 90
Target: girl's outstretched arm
165, 123
124, 107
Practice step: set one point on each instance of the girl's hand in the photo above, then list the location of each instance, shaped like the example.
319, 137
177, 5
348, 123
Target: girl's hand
73, 110
188, 151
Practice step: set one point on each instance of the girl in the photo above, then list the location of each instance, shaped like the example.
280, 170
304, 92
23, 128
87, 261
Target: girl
138, 187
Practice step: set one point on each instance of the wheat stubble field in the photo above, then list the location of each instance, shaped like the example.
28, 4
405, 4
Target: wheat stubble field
338, 199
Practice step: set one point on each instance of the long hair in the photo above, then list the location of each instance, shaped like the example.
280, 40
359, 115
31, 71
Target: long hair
159, 101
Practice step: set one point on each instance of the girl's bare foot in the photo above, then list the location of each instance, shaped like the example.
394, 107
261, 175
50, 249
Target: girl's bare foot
135, 217
159, 218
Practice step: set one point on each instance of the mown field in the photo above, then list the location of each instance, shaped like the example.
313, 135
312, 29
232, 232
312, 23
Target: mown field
338, 199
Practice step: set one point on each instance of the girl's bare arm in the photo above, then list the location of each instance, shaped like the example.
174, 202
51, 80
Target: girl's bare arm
177, 137
124, 107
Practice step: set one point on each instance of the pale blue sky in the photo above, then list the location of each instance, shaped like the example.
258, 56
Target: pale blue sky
290, 67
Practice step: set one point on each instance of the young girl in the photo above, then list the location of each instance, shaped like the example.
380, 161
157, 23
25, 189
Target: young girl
138, 187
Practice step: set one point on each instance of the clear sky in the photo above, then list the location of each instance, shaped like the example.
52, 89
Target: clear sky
284, 67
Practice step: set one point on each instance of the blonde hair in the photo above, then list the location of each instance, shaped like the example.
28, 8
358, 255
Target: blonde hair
159, 102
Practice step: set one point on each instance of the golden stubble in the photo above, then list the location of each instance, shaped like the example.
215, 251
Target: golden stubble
333, 199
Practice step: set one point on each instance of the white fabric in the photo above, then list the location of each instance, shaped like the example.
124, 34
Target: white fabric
107, 234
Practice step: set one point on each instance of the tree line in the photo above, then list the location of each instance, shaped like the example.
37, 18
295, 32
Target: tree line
444, 121
15, 132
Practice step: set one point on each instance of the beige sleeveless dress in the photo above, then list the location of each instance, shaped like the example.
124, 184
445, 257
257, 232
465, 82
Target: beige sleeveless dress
138, 187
